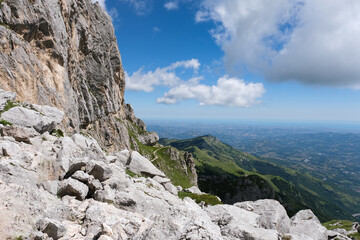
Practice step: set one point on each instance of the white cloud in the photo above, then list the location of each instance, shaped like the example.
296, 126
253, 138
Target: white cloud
311, 41
156, 29
228, 92
101, 3
142, 7
172, 5
140, 81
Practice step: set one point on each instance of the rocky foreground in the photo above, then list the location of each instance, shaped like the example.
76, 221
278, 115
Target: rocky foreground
67, 187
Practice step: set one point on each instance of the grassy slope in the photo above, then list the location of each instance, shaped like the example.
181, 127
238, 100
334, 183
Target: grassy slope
172, 169
295, 189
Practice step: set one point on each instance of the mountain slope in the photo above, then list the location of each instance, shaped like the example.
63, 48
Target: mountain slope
227, 172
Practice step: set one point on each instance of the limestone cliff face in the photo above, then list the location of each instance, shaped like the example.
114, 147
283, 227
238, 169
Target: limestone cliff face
64, 53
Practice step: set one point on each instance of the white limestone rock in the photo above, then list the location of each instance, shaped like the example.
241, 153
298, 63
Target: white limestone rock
171, 188
5, 97
272, 214
20, 134
305, 223
193, 189
141, 165
73, 187
29, 118
51, 227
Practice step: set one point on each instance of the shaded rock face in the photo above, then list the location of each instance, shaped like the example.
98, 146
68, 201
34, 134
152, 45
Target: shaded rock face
232, 189
64, 53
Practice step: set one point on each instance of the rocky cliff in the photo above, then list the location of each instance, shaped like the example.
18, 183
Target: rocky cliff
64, 53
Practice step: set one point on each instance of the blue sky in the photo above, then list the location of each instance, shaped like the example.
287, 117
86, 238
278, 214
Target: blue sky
240, 59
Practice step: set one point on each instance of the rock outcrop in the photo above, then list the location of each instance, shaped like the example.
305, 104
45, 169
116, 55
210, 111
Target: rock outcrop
64, 53
62, 187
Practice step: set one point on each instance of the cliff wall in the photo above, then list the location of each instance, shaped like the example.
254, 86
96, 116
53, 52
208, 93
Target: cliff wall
64, 53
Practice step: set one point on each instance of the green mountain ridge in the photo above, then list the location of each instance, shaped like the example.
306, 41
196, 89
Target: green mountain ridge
237, 176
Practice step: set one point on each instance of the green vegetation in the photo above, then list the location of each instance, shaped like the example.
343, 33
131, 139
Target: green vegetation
5, 123
19, 237
57, 132
345, 224
229, 167
206, 198
9, 105
160, 157
130, 173
354, 236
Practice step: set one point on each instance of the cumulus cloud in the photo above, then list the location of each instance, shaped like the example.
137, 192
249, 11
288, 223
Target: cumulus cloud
146, 81
228, 92
101, 2
172, 5
311, 41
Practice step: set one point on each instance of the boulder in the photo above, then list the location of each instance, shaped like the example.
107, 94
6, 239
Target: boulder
106, 195
29, 118
81, 176
171, 188
5, 97
94, 184
51, 227
75, 166
51, 186
99, 170
123, 157
237, 223
306, 223
20, 134
50, 112
161, 180
141, 165
73, 187
272, 214
193, 189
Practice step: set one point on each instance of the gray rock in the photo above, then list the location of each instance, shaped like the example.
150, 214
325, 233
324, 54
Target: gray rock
171, 188
141, 165
5, 97
29, 118
51, 112
62, 55
193, 189
148, 138
307, 224
20, 134
73, 187
75, 166
358, 229
106, 195
94, 185
272, 214
51, 227
99, 170
105, 237
51, 186
161, 180
81, 176
124, 202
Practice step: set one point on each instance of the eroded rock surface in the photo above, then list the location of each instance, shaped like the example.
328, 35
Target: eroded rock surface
64, 53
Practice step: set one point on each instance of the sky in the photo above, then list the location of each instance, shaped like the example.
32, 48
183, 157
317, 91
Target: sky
289, 60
